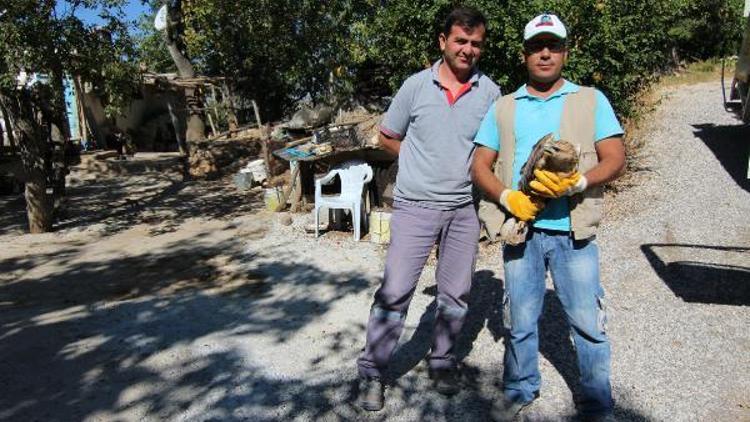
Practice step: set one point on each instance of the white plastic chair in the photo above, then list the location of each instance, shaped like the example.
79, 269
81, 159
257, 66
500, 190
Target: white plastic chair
354, 174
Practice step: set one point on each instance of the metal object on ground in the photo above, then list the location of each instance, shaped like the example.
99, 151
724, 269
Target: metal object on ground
340, 137
243, 181
309, 118
740, 87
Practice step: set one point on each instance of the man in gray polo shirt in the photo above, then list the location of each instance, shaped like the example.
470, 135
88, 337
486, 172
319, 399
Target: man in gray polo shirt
431, 125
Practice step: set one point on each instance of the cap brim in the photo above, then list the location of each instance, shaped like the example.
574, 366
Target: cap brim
544, 32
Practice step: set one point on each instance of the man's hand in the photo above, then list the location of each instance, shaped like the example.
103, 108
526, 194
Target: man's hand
552, 185
519, 204
579, 187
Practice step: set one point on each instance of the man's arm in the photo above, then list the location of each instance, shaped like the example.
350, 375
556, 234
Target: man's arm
389, 145
396, 121
482, 174
611, 152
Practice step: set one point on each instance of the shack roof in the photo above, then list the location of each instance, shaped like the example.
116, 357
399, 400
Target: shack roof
174, 80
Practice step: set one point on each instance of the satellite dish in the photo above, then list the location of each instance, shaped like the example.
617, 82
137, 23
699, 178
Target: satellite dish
160, 21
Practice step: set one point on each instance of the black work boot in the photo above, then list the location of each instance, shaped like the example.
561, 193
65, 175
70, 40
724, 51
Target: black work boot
371, 394
445, 381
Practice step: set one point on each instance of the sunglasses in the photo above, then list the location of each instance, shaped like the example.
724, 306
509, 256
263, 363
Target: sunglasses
554, 46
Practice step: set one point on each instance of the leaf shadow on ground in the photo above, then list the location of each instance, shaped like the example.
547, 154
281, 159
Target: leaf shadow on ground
486, 312
163, 201
164, 334
731, 146
699, 278
77, 345
13, 214
88, 338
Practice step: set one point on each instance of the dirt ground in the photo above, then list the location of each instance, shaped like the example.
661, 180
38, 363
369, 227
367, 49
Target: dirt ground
158, 299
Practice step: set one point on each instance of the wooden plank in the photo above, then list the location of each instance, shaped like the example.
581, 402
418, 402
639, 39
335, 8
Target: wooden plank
285, 194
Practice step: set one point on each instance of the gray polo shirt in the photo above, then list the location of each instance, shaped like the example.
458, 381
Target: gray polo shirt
438, 137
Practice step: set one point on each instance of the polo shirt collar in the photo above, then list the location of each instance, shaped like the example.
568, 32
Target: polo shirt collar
567, 88
474, 79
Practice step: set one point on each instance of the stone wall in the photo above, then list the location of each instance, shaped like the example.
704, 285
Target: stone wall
211, 159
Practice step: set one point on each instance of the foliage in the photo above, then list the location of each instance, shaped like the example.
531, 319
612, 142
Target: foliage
281, 51
276, 52
617, 46
152, 52
37, 37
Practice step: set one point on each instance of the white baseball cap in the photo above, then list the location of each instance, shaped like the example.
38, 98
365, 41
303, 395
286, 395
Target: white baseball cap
545, 23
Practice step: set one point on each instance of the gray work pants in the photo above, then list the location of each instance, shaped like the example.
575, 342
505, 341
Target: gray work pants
414, 231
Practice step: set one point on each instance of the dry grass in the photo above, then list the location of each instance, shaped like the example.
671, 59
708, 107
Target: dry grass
703, 71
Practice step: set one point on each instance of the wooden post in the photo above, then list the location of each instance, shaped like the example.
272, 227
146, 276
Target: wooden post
287, 192
264, 141
215, 108
227, 99
88, 115
296, 193
211, 122
257, 114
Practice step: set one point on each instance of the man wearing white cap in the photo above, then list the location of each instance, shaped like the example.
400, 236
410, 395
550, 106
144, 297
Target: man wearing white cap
562, 238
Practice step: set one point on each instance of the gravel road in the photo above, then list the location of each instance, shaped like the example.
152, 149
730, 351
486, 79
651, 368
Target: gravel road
280, 344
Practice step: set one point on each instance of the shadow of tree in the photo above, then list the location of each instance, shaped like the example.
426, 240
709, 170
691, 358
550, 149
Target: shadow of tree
121, 202
486, 311
78, 343
13, 214
165, 348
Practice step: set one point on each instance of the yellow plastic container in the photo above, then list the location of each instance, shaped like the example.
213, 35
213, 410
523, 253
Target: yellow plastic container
380, 227
272, 198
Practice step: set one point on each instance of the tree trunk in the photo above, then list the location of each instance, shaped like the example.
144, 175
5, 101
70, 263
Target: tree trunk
39, 205
176, 124
196, 129
59, 107
35, 154
60, 134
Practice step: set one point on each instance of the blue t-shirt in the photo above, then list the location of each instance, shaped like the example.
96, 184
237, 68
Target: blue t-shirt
536, 117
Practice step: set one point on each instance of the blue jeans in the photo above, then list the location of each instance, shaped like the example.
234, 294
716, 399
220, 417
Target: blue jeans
574, 266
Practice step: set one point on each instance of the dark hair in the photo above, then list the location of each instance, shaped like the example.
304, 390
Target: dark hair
465, 17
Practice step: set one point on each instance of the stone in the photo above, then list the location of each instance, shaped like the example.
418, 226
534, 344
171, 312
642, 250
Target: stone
285, 219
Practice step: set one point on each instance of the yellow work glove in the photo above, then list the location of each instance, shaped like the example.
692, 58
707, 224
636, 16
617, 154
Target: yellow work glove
552, 185
519, 204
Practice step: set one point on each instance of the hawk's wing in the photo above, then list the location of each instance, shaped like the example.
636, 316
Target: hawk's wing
527, 171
